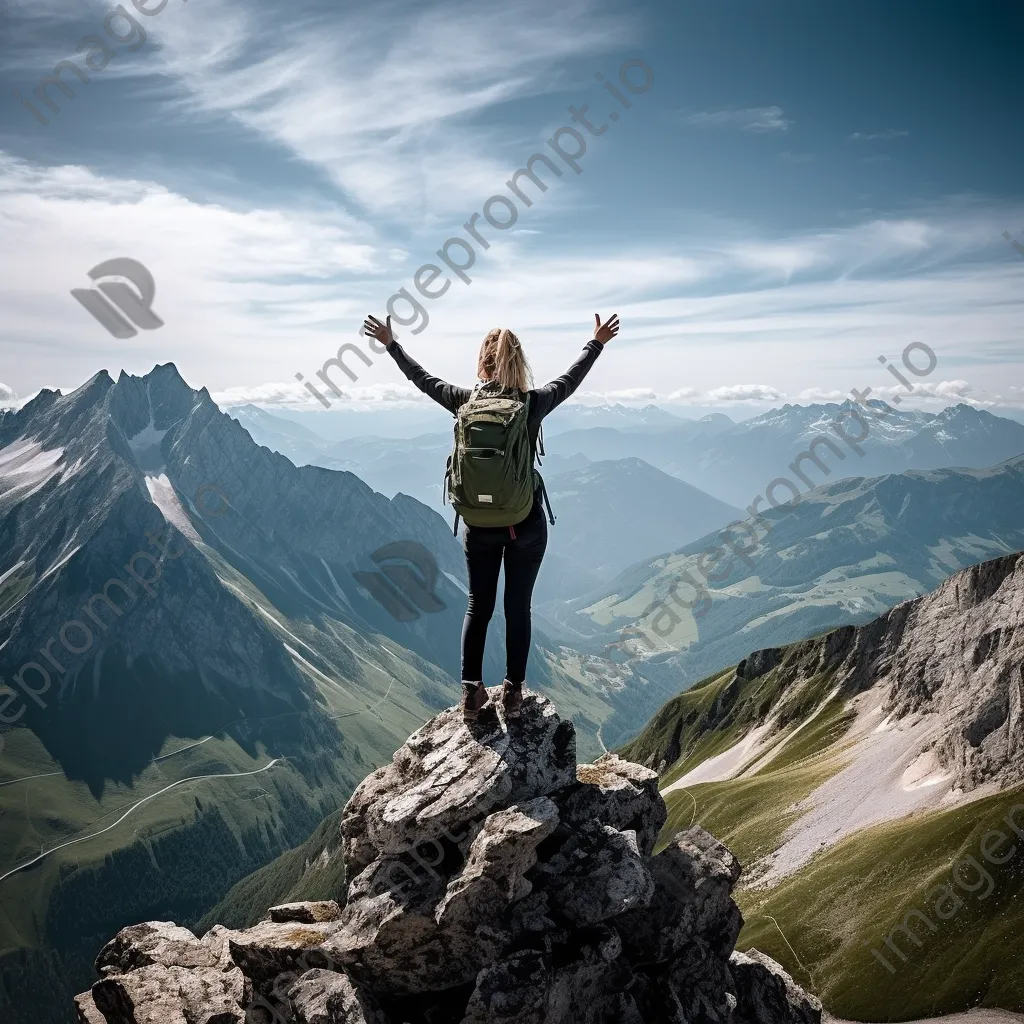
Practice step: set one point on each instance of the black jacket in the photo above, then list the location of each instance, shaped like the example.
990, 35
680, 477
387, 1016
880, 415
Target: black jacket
542, 400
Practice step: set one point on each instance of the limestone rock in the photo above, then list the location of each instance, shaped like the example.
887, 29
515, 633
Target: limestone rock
269, 949
491, 881
504, 849
154, 942
617, 793
172, 995
693, 879
513, 991
598, 874
306, 913
767, 994
329, 997
85, 1010
450, 774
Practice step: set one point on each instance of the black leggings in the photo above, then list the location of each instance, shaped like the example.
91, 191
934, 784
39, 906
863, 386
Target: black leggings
486, 548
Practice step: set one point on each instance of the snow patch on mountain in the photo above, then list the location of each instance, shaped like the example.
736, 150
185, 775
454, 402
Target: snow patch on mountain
25, 463
872, 788
163, 495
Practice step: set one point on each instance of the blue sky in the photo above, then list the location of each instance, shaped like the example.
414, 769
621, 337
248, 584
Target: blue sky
803, 187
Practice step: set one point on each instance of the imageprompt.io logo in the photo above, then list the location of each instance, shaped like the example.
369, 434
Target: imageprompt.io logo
404, 587
133, 306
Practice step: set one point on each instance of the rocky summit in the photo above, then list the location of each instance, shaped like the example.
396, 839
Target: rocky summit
491, 879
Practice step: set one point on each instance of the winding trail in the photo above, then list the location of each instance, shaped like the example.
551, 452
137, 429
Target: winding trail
135, 806
162, 757
370, 708
27, 778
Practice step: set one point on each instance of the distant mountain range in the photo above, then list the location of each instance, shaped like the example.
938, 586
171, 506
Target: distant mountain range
612, 514
609, 514
424, 417
738, 461
846, 553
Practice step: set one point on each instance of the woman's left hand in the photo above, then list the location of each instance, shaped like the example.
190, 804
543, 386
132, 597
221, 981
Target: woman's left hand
604, 332
373, 328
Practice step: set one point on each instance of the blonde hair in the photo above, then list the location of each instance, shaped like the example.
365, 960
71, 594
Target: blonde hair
503, 360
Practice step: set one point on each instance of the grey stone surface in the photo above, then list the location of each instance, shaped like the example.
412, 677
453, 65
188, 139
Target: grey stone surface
306, 913
492, 881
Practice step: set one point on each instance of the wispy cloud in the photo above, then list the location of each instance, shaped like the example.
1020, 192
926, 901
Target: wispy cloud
814, 396
889, 133
752, 119
682, 395
747, 393
293, 395
386, 102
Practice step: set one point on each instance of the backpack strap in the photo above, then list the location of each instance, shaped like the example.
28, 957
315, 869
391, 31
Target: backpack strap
546, 500
455, 525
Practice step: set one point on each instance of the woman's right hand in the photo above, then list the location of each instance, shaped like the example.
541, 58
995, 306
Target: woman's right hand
373, 328
604, 332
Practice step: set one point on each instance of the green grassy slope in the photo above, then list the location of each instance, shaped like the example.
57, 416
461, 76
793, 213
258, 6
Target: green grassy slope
831, 915
751, 814
827, 921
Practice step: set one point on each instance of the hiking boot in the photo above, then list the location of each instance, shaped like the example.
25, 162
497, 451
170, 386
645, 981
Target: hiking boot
511, 698
474, 697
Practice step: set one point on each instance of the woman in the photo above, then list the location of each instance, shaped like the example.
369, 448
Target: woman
520, 547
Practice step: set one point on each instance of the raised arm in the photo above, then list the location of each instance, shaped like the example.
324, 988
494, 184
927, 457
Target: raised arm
554, 394
448, 395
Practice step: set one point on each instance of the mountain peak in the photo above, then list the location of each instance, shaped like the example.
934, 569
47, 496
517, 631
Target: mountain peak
98, 384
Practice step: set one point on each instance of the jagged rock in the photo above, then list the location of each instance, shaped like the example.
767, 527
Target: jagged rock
954, 654
172, 995
693, 879
503, 851
701, 984
596, 875
85, 1010
619, 793
759, 662
155, 942
329, 997
446, 777
492, 881
306, 913
513, 991
389, 934
766, 994
270, 949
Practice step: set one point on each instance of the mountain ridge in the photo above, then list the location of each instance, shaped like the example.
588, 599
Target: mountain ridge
854, 770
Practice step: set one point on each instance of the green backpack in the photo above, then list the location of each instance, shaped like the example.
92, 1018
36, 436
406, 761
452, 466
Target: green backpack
490, 479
